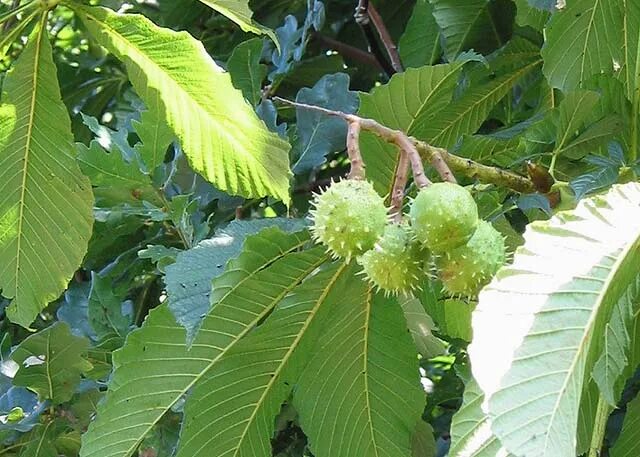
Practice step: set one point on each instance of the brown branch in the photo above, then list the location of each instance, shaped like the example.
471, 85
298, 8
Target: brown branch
364, 21
353, 150
385, 37
347, 50
423, 150
406, 145
441, 166
400, 182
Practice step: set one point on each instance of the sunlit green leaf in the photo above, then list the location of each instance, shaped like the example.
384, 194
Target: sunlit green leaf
220, 133
552, 306
45, 201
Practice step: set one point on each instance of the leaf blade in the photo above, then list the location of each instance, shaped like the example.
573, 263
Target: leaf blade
46, 209
222, 136
558, 323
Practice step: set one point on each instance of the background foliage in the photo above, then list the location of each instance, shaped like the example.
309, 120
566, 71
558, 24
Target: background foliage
160, 292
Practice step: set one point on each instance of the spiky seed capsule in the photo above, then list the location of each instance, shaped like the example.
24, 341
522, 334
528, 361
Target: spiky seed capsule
468, 268
348, 218
396, 263
443, 216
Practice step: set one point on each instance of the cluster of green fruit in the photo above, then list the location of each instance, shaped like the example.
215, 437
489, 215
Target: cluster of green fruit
442, 230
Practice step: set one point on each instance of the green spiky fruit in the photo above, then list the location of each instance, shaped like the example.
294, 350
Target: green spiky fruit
348, 218
467, 269
396, 263
443, 216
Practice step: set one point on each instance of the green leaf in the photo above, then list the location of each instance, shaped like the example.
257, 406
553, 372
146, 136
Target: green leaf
367, 400
552, 306
490, 150
238, 11
319, 134
466, 114
41, 442
420, 42
628, 443
51, 362
471, 434
220, 133
156, 367
529, 16
583, 39
573, 112
421, 328
105, 310
252, 380
402, 103
594, 137
423, 443
115, 180
612, 365
247, 73
481, 25
13, 34
46, 204
189, 278
629, 73
155, 137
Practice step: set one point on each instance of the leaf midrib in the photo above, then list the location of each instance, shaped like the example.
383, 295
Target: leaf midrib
586, 335
365, 370
513, 76
239, 337
290, 351
221, 129
27, 147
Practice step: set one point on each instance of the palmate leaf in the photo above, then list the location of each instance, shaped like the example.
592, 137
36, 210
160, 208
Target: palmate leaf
367, 400
584, 39
45, 201
613, 362
41, 442
418, 102
220, 133
115, 180
231, 410
156, 367
553, 305
631, 30
466, 114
